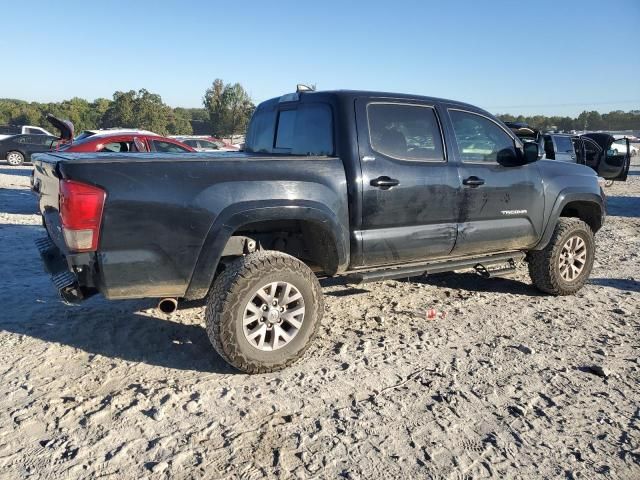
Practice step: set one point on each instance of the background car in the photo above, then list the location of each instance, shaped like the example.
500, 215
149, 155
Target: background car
17, 149
125, 142
10, 130
620, 146
206, 144
201, 144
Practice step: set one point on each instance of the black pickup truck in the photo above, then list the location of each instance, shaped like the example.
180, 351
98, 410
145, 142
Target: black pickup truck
364, 185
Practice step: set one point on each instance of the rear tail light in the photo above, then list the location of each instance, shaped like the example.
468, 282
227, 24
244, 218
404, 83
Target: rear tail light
81, 211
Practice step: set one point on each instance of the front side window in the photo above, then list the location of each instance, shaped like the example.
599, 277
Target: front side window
405, 132
35, 131
480, 139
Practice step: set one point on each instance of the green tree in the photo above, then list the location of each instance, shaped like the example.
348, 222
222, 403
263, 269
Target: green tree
229, 107
141, 109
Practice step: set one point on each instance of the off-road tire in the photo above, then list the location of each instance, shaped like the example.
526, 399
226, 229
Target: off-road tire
544, 268
229, 295
15, 158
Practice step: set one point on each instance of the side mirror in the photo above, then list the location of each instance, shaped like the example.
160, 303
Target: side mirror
511, 157
531, 152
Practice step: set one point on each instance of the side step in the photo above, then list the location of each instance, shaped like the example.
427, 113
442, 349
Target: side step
507, 271
417, 270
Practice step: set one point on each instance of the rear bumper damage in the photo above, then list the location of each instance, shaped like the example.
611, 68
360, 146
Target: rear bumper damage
68, 272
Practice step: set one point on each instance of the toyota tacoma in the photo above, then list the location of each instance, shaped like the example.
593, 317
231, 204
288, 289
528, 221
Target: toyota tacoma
363, 185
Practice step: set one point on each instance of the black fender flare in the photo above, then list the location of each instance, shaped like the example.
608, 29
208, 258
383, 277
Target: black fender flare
237, 215
564, 198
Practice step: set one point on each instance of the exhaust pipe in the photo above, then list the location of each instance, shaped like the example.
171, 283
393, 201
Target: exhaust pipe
168, 305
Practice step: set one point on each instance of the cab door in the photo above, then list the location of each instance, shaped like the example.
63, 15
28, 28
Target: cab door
410, 191
609, 162
616, 161
502, 207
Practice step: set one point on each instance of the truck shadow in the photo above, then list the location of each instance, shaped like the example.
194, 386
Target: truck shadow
472, 282
623, 206
125, 335
22, 172
18, 201
619, 283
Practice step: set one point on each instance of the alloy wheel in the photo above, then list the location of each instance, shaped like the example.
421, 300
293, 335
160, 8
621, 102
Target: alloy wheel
573, 258
273, 316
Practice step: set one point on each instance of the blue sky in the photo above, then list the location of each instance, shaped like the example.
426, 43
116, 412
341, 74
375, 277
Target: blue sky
550, 57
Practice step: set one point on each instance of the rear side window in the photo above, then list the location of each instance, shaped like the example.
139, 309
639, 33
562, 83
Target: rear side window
480, 139
116, 147
305, 130
406, 132
35, 131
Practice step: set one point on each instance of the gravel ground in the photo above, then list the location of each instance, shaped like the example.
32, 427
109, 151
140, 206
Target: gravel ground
503, 383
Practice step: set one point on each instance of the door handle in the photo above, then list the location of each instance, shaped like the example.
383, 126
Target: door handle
384, 182
473, 181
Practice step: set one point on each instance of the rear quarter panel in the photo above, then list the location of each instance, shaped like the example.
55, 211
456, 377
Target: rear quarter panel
162, 208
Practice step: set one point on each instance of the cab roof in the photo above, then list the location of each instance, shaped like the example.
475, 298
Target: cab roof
353, 94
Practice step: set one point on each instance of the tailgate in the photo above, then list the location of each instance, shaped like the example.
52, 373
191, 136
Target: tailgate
46, 184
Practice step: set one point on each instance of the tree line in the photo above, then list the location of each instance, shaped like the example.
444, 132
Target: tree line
226, 111
616, 120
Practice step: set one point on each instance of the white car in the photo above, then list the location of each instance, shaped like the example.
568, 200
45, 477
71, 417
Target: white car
10, 130
620, 146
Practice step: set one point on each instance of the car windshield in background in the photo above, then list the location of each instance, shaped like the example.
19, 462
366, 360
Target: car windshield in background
563, 144
83, 135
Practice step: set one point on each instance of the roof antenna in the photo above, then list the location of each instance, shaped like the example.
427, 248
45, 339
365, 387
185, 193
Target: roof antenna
301, 87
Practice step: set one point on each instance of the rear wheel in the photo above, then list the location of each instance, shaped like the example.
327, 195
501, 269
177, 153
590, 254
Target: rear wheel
15, 158
263, 311
564, 265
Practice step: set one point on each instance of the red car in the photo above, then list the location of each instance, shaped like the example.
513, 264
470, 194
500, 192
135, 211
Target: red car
115, 142
125, 142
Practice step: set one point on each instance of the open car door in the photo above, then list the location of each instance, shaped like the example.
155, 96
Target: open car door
65, 126
609, 164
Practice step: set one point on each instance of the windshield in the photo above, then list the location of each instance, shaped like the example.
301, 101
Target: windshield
84, 134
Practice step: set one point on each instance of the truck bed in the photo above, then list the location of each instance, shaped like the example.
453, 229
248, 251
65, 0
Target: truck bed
162, 209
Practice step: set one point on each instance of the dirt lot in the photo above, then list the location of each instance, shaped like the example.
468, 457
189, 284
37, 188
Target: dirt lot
509, 384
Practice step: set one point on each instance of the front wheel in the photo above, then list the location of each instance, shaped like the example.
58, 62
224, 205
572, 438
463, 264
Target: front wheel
15, 158
263, 311
564, 265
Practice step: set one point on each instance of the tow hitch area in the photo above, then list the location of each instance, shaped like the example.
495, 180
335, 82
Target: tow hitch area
66, 282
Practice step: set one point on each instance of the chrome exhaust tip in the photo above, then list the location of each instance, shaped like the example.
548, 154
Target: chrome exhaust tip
168, 305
